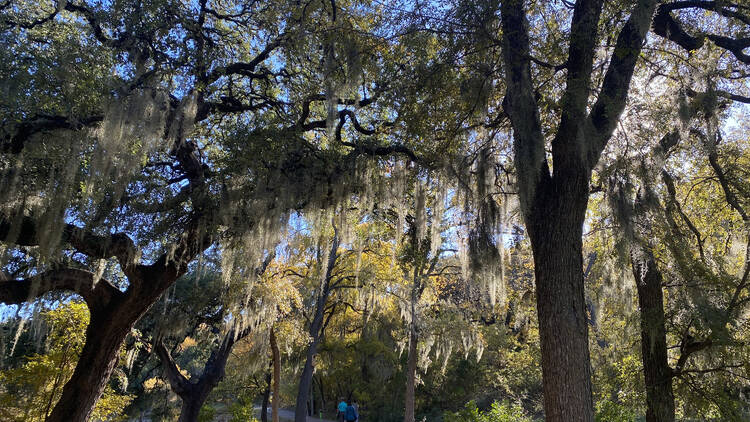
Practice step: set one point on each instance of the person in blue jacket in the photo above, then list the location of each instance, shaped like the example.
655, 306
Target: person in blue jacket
351, 414
341, 410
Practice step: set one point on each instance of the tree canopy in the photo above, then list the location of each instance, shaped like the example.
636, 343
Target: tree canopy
453, 210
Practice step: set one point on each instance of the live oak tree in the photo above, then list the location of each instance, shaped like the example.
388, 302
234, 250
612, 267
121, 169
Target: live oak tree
639, 196
112, 153
708, 283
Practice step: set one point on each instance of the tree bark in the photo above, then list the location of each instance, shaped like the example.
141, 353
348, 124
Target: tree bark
656, 370
316, 334
553, 197
98, 359
276, 376
266, 396
191, 406
411, 373
300, 410
556, 238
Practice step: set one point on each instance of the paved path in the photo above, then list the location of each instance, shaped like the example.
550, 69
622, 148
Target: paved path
288, 415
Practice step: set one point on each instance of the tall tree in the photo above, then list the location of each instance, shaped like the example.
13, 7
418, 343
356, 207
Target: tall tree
554, 187
554, 202
322, 312
131, 177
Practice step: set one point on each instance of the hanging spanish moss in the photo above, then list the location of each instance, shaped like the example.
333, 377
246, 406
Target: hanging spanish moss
480, 221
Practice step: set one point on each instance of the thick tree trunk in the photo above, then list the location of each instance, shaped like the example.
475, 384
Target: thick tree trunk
194, 394
656, 370
191, 405
305, 382
113, 315
97, 361
411, 374
555, 229
276, 376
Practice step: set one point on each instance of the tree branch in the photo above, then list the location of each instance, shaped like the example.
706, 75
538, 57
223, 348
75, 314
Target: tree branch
179, 383
667, 26
118, 245
248, 68
15, 143
96, 293
520, 103
122, 41
611, 102
567, 145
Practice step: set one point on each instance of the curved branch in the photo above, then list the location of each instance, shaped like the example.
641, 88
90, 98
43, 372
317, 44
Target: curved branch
667, 26
118, 245
720, 7
731, 198
96, 293
15, 143
122, 41
675, 205
180, 385
248, 68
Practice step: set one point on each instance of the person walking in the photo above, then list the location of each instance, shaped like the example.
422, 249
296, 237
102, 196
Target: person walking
341, 410
351, 414
356, 409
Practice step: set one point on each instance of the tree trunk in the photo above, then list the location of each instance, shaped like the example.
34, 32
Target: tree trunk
113, 315
276, 376
555, 229
300, 410
191, 405
411, 374
312, 396
192, 401
317, 327
98, 359
194, 394
189, 411
266, 396
656, 370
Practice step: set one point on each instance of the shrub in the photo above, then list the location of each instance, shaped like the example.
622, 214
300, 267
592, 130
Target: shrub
505, 412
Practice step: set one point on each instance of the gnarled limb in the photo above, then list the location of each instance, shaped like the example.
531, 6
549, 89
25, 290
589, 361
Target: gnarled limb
118, 245
15, 143
96, 293
669, 27
122, 41
178, 382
